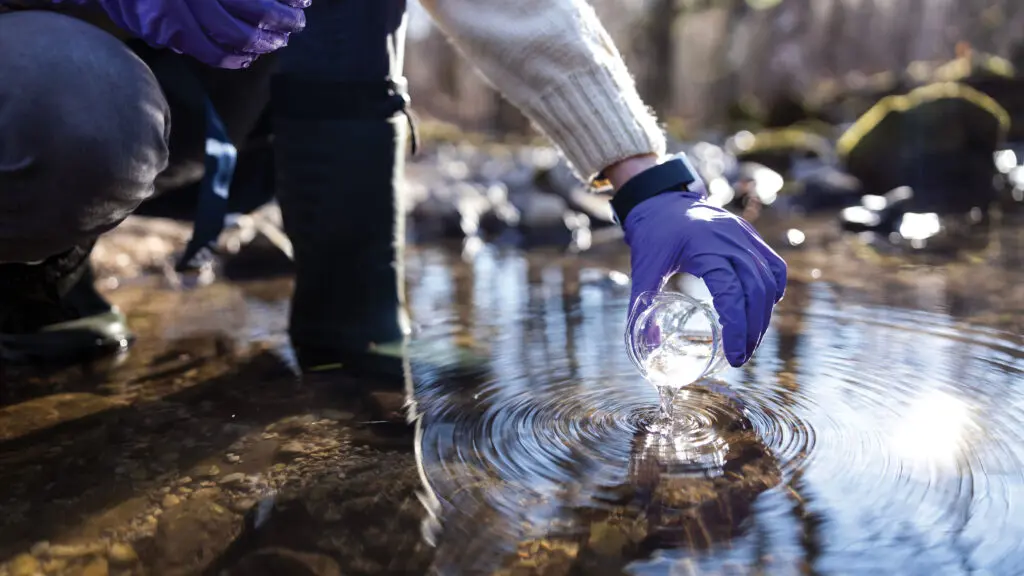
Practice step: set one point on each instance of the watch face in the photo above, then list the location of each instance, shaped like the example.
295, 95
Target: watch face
601, 185
689, 167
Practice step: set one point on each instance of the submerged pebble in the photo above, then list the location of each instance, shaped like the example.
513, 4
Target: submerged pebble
24, 565
122, 554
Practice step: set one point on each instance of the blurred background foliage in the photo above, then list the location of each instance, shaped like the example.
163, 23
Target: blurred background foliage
712, 67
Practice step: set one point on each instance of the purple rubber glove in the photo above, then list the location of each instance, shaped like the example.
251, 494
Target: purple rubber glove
678, 232
221, 33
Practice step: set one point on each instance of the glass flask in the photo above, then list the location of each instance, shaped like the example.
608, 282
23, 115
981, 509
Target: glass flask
674, 338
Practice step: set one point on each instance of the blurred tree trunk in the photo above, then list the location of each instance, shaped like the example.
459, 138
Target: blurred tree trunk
834, 46
904, 31
447, 60
656, 40
695, 58
726, 87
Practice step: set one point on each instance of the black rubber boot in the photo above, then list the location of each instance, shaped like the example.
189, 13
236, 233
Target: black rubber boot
340, 133
52, 313
337, 195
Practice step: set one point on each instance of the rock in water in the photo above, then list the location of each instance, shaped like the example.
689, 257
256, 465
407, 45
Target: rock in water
543, 217
825, 189
291, 450
234, 479
938, 139
781, 149
75, 550
1009, 93
122, 555
189, 537
24, 565
98, 567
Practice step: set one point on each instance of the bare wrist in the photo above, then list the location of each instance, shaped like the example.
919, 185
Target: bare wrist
622, 171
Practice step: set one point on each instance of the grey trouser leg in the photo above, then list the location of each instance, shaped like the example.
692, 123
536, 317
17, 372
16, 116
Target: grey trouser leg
83, 134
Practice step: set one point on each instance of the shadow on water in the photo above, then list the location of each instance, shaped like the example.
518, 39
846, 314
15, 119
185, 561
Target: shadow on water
877, 430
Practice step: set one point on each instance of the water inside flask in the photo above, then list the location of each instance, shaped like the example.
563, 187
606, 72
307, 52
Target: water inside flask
674, 338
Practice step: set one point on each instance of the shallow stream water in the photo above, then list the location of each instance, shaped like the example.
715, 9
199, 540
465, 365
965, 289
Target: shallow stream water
878, 430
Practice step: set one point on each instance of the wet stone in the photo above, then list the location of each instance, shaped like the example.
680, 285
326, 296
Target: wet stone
242, 505
608, 539
76, 550
208, 493
291, 450
234, 479
97, 567
121, 554
24, 565
232, 458
191, 536
170, 500
388, 405
55, 565
543, 557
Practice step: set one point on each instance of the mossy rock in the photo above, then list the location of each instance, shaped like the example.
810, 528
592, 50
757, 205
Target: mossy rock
973, 65
924, 138
778, 148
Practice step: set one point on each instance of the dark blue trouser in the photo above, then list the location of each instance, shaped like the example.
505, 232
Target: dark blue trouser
339, 148
85, 137
83, 134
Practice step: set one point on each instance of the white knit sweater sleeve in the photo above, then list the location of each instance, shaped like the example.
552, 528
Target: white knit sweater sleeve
554, 60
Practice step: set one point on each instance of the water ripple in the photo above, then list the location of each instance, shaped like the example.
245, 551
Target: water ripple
864, 439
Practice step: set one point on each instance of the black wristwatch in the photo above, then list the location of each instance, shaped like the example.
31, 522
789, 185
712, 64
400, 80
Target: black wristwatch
673, 175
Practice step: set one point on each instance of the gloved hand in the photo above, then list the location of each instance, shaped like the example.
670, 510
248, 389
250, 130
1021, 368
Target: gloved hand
679, 232
221, 33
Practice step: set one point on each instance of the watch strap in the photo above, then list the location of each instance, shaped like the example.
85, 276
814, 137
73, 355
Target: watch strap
673, 175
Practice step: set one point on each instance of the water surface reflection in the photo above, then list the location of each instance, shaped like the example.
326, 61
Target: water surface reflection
877, 429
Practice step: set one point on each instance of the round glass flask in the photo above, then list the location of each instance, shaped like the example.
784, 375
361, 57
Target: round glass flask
674, 338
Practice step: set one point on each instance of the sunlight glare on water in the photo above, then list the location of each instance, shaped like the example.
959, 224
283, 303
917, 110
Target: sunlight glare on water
935, 430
